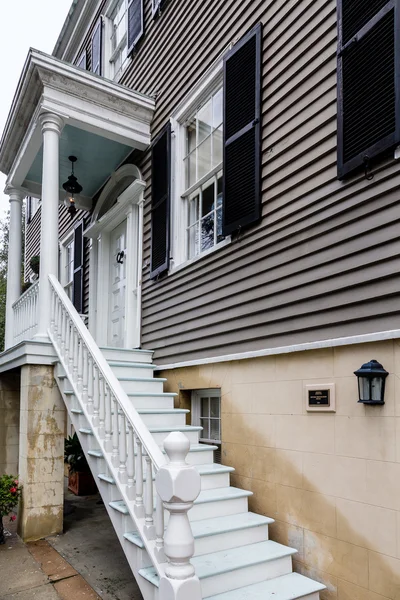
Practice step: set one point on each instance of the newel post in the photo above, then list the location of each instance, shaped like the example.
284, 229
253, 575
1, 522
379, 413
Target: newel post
178, 485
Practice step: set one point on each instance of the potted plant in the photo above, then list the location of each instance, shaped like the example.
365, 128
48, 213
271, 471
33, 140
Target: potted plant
80, 478
10, 493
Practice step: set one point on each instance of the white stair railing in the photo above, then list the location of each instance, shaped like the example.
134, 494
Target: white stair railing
25, 314
119, 431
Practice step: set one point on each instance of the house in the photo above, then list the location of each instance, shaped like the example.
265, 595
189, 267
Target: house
233, 251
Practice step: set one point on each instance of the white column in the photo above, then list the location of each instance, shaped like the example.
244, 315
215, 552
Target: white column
14, 261
51, 128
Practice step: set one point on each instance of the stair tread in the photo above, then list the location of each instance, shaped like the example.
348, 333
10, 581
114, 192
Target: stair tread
213, 469
183, 428
142, 379
120, 506
123, 363
131, 350
208, 527
225, 561
134, 538
77, 411
228, 493
153, 394
162, 411
286, 587
96, 453
106, 478
86, 430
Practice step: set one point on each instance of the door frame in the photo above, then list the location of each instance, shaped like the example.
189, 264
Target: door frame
129, 207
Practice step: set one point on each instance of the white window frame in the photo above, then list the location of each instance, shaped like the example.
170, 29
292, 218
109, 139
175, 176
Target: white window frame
67, 241
109, 54
206, 86
196, 411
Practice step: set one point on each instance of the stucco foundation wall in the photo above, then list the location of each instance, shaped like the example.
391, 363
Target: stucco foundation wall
331, 481
9, 422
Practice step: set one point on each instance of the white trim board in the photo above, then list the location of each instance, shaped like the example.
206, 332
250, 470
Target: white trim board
379, 336
27, 353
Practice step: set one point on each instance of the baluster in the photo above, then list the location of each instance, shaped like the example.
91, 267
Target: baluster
90, 376
160, 529
108, 444
123, 477
62, 330
76, 356
149, 499
115, 449
101, 406
71, 349
130, 489
56, 319
139, 508
85, 375
80, 364
59, 321
96, 396
53, 309
178, 485
67, 340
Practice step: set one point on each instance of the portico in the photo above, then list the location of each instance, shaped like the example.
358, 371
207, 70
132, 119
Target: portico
59, 110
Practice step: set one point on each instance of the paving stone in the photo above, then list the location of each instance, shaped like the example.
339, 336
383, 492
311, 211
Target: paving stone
19, 570
43, 592
52, 564
75, 588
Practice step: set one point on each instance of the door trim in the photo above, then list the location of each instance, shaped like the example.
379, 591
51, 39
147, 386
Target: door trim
129, 207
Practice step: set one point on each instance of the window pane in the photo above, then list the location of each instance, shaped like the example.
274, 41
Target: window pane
204, 121
220, 237
214, 429
204, 407
204, 158
193, 210
217, 109
191, 136
205, 424
190, 168
217, 146
193, 240
208, 198
207, 232
214, 407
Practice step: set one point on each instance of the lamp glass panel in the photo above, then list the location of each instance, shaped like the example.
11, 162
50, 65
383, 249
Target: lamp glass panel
376, 388
364, 388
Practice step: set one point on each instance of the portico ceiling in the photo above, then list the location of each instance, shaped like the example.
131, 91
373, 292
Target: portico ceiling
103, 123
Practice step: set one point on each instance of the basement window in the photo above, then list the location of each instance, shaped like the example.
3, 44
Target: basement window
206, 413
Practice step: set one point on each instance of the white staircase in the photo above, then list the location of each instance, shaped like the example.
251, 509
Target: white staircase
233, 557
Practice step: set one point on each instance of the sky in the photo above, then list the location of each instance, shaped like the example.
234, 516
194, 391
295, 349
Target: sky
24, 24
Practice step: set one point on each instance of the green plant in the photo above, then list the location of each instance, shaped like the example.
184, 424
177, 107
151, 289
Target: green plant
74, 456
34, 264
10, 493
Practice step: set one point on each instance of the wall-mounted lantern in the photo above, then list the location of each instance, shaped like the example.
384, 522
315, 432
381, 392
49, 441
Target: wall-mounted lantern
72, 187
371, 383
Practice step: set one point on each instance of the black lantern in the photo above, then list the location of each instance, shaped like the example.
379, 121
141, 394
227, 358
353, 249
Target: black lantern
371, 382
72, 187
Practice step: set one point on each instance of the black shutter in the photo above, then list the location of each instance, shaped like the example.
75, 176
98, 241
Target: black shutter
135, 23
97, 48
368, 81
28, 209
82, 61
160, 202
77, 290
242, 133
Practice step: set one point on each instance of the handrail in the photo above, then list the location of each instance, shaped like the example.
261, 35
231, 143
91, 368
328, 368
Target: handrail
144, 435
27, 292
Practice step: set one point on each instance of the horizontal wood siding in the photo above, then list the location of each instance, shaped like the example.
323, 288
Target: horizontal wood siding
325, 260
65, 226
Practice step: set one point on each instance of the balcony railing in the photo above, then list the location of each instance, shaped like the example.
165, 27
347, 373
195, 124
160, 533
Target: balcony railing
25, 311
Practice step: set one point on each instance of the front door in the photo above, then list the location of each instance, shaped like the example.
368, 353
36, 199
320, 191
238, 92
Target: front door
118, 258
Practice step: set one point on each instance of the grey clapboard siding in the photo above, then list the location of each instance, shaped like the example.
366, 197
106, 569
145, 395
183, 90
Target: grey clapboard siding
325, 261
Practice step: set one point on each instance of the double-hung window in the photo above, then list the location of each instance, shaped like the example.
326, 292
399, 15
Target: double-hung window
118, 38
203, 176
67, 266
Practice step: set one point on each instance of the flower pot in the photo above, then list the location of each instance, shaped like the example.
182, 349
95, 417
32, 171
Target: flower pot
82, 483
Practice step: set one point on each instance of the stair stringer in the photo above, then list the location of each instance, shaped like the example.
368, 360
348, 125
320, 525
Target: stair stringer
133, 557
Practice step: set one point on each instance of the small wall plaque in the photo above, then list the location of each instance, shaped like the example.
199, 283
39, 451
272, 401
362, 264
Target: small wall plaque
320, 397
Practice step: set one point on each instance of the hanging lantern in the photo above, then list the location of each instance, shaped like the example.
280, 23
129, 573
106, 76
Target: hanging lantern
371, 383
72, 187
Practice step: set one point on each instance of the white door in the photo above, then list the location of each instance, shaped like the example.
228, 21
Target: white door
118, 259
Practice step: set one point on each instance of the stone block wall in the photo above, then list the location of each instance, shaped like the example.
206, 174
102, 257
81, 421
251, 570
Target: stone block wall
331, 481
9, 422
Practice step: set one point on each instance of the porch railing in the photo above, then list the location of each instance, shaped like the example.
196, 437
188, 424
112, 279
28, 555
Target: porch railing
25, 317
132, 455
